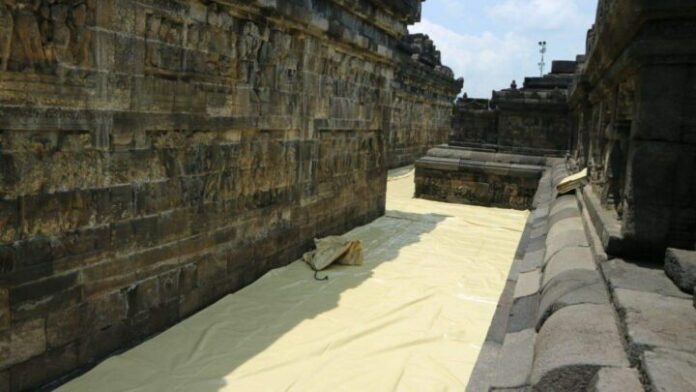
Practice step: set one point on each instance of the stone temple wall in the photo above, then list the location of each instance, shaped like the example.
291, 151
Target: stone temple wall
633, 105
157, 155
423, 105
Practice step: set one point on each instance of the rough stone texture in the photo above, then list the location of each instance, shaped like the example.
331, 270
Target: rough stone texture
616, 380
573, 287
515, 360
421, 115
568, 259
574, 240
573, 345
654, 320
492, 136
680, 266
523, 313
157, 155
528, 283
670, 371
634, 129
623, 274
531, 120
498, 180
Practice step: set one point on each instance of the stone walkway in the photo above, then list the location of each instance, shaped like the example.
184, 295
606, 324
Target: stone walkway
412, 318
573, 319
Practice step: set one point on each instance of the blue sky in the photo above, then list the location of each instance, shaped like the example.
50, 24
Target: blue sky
492, 42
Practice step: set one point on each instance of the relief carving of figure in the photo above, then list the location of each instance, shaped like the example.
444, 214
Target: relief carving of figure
55, 32
221, 42
249, 46
6, 27
163, 48
82, 36
29, 50
42, 35
152, 33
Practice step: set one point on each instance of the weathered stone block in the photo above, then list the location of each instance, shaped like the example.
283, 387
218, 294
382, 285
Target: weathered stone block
528, 283
669, 370
44, 368
570, 239
568, 288
616, 380
568, 259
515, 360
573, 345
64, 326
25, 340
680, 266
143, 296
654, 320
523, 313
4, 308
53, 293
628, 275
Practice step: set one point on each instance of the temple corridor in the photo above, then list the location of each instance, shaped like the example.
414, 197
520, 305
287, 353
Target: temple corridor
413, 317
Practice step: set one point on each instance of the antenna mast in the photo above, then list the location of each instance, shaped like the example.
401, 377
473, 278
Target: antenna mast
542, 63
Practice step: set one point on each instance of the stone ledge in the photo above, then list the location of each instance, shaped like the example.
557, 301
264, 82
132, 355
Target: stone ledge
680, 266
622, 274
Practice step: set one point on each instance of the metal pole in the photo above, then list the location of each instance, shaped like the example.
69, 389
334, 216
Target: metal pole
542, 64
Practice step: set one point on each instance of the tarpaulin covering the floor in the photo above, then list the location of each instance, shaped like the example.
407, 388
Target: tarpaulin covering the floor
411, 318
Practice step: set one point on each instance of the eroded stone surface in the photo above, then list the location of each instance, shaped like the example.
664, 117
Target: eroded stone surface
155, 156
515, 360
627, 275
574, 287
575, 239
616, 380
523, 313
680, 266
670, 371
568, 259
528, 283
573, 345
654, 320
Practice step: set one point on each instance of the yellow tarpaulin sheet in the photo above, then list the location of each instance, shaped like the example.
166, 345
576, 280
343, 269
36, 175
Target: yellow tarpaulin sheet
411, 318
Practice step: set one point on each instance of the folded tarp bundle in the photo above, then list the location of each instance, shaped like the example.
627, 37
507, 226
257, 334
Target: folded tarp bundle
571, 183
334, 249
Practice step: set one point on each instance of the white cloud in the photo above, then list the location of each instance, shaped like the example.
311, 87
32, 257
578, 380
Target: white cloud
536, 15
486, 61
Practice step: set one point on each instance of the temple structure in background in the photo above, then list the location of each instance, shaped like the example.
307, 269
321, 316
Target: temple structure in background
601, 293
498, 148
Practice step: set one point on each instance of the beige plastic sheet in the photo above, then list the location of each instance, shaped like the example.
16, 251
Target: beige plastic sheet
411, 318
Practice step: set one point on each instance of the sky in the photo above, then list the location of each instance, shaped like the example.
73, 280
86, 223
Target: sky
492, 42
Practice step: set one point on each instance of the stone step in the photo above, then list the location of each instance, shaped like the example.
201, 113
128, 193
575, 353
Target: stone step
680, 266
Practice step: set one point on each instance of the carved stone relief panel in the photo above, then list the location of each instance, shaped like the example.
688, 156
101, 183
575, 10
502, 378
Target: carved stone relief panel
45, 36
